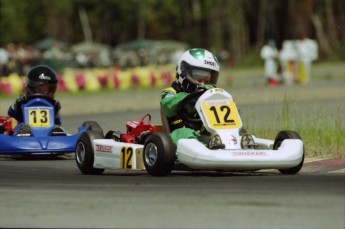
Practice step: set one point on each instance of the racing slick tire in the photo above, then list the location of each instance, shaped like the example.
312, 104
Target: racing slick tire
92, 125
288, 134
84, 153
159, 154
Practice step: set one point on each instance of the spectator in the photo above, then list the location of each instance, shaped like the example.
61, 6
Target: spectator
288, 60
269, 53
308, 52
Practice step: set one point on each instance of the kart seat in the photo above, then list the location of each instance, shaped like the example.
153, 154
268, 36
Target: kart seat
165, 123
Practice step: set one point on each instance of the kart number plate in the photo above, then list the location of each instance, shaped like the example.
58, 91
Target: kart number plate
126, 157
39, 117
221, 114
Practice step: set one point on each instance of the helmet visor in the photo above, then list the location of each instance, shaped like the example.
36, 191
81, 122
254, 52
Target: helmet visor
43, 89
201, 76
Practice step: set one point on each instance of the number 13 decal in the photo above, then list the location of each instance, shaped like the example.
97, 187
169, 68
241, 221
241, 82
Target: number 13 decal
39, 118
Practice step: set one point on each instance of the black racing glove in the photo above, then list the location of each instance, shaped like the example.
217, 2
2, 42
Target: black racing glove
22, 99
205, 87
57, 107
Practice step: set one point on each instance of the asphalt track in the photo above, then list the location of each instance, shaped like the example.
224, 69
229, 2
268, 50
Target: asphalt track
41, 192
51, 192
46, 192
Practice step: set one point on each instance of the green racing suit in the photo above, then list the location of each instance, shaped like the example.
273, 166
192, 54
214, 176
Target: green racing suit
170, 98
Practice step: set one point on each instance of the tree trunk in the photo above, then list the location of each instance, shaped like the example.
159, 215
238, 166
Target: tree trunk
332, 34
261, 24
84, 20
325, 48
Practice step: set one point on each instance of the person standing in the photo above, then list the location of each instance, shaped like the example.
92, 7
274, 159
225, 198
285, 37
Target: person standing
269, 54
308, 52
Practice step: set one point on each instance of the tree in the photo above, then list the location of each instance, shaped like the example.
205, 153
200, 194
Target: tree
238, 26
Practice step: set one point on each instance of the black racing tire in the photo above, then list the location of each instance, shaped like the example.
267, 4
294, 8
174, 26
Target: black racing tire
92, 125
159, 154
288, 134
84, 153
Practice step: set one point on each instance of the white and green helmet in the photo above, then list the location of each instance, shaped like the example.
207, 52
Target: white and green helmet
196, 62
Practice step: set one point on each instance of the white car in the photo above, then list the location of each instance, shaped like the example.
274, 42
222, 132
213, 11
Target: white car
228, 146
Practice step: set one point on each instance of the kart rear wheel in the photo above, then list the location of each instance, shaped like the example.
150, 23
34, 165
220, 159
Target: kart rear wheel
159, 154
92, 125
84, 154
288, 134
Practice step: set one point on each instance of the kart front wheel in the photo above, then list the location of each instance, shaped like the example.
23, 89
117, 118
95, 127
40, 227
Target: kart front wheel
159, 154
84, 153
288, 134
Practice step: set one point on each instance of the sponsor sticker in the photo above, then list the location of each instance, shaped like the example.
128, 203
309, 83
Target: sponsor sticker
44, 77
253, 153
103, 148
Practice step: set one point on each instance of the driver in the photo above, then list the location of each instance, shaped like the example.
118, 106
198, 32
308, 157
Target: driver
197, 68
40, 80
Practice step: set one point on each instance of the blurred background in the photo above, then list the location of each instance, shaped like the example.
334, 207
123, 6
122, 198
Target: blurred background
114, 36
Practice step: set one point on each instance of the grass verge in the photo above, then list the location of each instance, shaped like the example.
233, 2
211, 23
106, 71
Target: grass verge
323, 135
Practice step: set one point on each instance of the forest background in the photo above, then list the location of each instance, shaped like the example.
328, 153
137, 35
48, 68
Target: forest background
240, 27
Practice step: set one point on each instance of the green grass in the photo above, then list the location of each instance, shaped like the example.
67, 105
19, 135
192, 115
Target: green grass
323, 136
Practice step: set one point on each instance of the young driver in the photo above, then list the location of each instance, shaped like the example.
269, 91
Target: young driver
196, 68
40, 80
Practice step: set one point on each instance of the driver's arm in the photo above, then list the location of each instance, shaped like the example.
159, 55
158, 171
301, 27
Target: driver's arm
15, 110
57, 107
169, 101
16, 114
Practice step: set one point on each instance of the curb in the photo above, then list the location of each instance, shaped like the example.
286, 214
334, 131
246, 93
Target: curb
317, 165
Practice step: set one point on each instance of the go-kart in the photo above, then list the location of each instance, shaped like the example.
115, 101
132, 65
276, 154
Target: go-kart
223, 145
37, 134
116, 150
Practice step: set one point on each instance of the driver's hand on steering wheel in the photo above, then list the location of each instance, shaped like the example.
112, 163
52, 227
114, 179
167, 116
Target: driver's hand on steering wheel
190, 108
205, 87
19, 102
57, 106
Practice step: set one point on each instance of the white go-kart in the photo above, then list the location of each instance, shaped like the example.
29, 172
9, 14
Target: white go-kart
223, 144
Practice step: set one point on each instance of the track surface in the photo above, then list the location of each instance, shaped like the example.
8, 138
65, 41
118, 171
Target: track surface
51, 192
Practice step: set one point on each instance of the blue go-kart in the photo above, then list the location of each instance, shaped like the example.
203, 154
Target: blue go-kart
38, 134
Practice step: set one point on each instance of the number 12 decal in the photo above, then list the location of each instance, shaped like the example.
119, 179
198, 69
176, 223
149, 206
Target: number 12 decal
221, 115
226, 115
126, 157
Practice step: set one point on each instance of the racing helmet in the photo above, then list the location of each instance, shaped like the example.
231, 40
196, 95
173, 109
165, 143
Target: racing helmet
195, 67
41, 79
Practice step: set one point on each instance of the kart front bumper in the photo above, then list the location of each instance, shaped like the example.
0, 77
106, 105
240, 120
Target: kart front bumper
195, 155
38, 145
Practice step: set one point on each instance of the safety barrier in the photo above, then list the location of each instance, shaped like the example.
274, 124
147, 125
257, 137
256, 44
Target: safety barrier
74, 80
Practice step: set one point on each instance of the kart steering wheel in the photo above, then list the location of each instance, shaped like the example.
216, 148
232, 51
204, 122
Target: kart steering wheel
41, 96
182, 108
